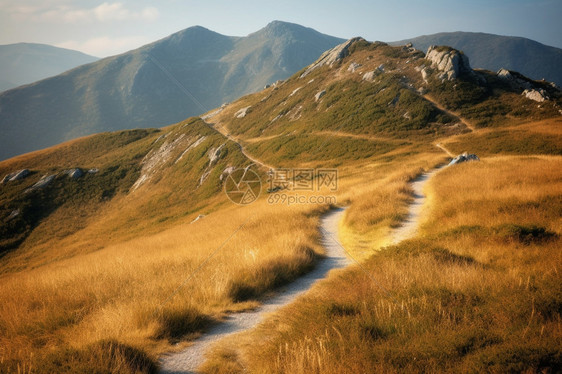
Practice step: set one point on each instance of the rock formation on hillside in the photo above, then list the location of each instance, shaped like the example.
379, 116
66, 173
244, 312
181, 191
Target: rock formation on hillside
319, 95
42, 183
463, 158
15, 176
530, 89
492, 52
75, 173
515, 79
331, 56
538, 95
450, 62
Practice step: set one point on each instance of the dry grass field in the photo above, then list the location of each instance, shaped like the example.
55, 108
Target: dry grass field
478, 290
148, 291
119, 307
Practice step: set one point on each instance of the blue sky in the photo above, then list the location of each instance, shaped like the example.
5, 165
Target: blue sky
103, 28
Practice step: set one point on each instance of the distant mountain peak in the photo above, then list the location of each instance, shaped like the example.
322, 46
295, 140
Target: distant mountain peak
282, 24
24, 63
281, 28
192, 32
161, 83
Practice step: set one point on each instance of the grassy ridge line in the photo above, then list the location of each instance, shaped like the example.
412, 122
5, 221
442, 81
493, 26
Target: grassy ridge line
75, 316
531, 138
86, 214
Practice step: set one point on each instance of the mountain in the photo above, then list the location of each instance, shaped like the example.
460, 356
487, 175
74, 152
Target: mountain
493, 52
358, 100
24, 63
116, 247
182, 75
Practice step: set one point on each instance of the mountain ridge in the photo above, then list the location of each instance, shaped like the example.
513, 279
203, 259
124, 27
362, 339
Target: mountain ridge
158, 84
493, 52
26, 63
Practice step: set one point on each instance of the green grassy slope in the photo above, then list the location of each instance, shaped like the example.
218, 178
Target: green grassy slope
65, 207
381, 105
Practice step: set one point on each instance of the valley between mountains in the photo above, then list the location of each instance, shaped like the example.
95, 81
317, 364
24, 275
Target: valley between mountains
122, 250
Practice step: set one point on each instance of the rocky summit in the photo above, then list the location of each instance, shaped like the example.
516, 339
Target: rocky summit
450, 62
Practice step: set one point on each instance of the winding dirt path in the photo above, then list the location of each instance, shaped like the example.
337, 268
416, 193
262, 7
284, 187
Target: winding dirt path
188, 360
410, 225
224, 131
191, 358
454, 114
442, 147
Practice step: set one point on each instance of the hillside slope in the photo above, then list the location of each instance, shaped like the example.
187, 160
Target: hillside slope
370, 98
359, 101
24, 63
107, 271
182, 75
493, 52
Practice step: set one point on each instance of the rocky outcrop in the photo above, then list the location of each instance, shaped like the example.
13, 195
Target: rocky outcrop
13, 214
332, 56
450, 62
370, 76
42, 183
18, 175
190, 147
353, 66
538, 95
424, 74
242, 112
201, 216
515, 79
213, 113
226, 172
295, 91
74, 173
157, 158
531, 89
214, 154
319, 95
505, 74
464, 158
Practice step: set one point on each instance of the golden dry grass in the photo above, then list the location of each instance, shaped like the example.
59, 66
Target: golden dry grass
127, 292
478, 291
378, 195
95, 300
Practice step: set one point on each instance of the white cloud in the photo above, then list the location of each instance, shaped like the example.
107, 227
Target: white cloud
105, 46
117, 12
105, 12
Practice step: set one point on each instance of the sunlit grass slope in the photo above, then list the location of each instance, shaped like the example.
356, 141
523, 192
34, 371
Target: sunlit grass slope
145, 180
478, 290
